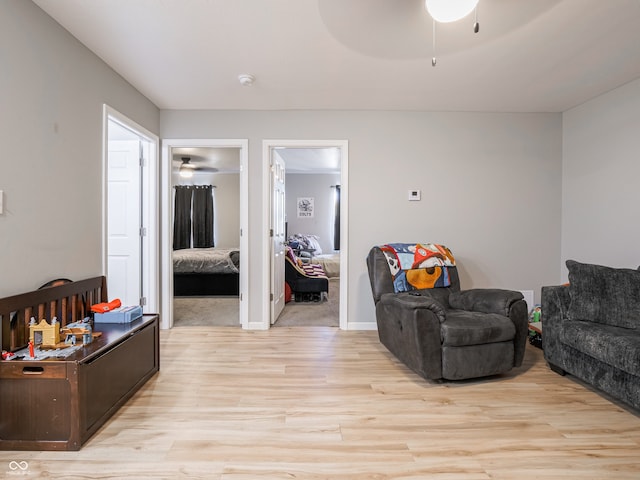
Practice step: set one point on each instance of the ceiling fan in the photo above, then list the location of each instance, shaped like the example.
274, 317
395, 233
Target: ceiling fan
186, 169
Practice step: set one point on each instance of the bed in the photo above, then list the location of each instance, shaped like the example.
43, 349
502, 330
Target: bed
206, 272
330, 262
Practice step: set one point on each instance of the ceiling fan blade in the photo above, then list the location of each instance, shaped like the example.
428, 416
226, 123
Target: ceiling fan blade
184, 162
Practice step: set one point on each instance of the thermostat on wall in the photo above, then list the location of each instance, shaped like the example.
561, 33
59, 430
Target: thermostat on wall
414, 195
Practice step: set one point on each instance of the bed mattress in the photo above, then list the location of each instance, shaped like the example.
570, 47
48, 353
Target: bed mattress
206, 260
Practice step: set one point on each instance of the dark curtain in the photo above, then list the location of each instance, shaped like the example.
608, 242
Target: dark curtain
203, 216
182, 218
336, 221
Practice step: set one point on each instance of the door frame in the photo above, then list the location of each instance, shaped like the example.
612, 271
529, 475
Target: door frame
166, 234
149, 204
267, 147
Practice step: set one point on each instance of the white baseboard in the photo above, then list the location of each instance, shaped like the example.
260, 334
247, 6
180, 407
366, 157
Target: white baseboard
362, 326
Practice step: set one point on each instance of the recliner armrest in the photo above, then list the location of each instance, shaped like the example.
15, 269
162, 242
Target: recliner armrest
485, 300
419, 299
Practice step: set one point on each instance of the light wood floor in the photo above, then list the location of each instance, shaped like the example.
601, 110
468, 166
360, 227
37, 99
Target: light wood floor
317, 402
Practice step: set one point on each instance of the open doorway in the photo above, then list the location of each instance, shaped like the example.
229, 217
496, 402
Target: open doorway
315, 227
206, 236
205, 193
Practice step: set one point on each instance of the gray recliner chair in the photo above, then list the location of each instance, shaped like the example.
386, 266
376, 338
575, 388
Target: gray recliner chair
442, 332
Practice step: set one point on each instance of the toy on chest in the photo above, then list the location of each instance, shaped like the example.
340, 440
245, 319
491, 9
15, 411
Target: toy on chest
119, 315
43, 333
78, 331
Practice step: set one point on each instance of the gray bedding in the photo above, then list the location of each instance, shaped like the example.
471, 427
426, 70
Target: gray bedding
206, 260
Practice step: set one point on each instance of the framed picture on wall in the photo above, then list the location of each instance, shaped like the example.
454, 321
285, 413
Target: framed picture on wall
305, 207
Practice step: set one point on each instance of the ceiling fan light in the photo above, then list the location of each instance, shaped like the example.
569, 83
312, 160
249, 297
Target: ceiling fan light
186, 169
445, 11
185, 172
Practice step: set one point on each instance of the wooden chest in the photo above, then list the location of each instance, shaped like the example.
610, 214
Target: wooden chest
57, 404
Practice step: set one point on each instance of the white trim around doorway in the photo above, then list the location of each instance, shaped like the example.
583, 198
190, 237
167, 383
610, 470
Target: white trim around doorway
267, 146
150, 220
166, 233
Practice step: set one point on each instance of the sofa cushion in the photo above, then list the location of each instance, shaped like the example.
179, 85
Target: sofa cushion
615, 346
604, 295
462, 328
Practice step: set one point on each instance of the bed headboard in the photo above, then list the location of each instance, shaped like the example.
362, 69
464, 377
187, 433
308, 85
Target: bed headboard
69, 302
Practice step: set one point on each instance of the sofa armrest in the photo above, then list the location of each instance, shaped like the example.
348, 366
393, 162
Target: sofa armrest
485, 300
555, 304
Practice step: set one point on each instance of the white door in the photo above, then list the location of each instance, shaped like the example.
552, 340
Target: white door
277, 240
124, 221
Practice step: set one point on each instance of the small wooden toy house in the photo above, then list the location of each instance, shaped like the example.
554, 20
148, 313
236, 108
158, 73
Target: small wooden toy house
44, 334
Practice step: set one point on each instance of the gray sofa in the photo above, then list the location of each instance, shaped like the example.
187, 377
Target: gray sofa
592, 328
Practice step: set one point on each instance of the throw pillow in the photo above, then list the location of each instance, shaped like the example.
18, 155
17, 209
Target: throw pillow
604, 294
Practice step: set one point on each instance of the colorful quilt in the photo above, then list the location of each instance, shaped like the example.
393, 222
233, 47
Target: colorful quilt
416, 266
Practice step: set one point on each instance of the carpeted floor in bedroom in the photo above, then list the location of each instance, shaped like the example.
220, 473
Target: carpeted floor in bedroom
223, 311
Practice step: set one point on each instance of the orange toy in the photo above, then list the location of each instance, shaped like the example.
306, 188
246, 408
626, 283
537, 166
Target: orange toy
106, 307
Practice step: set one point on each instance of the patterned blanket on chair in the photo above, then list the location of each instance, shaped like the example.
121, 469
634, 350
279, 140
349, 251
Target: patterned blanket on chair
307, 269
416, 266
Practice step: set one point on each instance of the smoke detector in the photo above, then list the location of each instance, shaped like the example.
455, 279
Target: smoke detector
246, 79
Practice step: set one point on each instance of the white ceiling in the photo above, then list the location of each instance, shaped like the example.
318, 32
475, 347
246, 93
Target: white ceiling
529, 56
311, 160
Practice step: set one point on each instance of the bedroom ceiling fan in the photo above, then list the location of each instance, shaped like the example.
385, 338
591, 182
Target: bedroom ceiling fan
186, 169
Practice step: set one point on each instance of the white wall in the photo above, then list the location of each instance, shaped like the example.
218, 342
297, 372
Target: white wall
601, 174
227, 204
491, 187
319, 187
52, 93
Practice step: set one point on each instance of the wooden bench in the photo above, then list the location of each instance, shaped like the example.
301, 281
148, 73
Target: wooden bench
69, 302
57, 403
